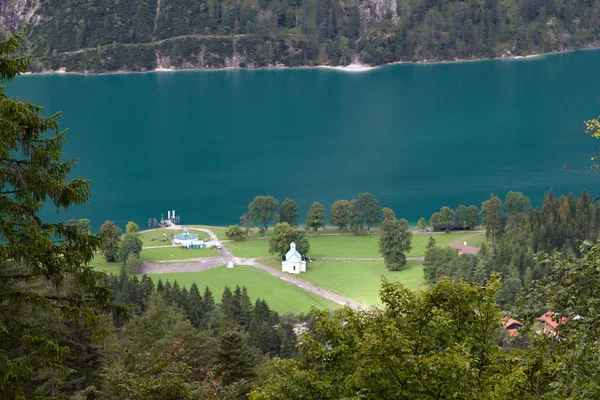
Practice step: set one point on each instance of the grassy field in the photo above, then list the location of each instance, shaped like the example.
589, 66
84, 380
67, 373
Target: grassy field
281, 296
359, 280
362, 246
146, 236
218, 230
176, 253
101, 264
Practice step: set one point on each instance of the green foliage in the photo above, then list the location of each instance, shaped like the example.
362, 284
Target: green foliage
283, 235
82, 225
112, 238
369, 209
247, 223
340, 214
107, 36
263, 209
234, 232
491, 211
289, 212
446, 218
422, 224
45, 283
132, 227
132, 263
315, 217
516, 202
130, 244
388, 214
395, 242
415, 348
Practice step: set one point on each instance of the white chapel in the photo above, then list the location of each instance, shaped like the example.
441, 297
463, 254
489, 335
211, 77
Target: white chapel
293, 263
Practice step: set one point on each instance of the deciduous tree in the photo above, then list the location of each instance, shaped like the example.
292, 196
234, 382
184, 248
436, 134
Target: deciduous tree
132, 227
394, 242
283, 235
516, 202
112, 238
339, 214
315, 217
247, 223
491, 211
388, 213
263, 209
234, 232
289, 212
369, 209
422, 224
130, 244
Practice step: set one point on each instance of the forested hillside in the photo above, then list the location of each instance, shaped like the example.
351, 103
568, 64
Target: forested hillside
138, 35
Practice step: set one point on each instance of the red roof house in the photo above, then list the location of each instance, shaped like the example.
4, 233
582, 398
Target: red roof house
548, 322
464, 249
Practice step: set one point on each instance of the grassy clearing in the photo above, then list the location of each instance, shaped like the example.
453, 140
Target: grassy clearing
218, 230
361, 280
146, 236
101, 264
176, 253
362, 246
281, 296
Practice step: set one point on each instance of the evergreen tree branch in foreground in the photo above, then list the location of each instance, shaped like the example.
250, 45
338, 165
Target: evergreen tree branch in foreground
43, 266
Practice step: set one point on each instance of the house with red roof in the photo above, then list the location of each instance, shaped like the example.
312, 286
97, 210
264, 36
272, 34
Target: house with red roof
464, 249
511, 325
549, 323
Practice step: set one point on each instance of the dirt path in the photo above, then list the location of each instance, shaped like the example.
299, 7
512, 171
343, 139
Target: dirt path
225, 257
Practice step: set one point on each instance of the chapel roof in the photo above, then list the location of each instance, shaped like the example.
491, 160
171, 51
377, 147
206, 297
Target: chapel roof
292, 254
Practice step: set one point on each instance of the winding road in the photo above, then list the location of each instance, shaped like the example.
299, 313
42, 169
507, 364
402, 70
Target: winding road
202, 264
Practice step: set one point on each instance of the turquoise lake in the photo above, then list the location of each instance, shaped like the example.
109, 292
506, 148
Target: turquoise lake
417, 137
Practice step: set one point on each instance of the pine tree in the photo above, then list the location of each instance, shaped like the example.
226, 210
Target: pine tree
208, 301
233, 358
160, 287
194, 306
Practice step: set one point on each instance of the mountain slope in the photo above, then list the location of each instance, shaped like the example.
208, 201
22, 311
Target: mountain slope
111, 35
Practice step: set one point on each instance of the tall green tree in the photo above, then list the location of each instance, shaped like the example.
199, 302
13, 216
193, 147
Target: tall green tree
45, 280
83, 225
356, 222
315, 217
112, 238
132, 227
130, 244
339, 215
472, 218
446, 218
422, 224
369, 209
247, 223
264, 209
289, 212
234, 359
491, 211
234, 232
516, 202
394, 242
414, 348
283, 235
388, 213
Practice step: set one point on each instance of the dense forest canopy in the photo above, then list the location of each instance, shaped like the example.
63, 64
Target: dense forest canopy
108, 35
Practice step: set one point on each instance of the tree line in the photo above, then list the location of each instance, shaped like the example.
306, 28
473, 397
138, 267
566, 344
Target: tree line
516, 234
121, 36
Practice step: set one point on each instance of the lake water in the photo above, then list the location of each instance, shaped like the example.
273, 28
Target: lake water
417, 137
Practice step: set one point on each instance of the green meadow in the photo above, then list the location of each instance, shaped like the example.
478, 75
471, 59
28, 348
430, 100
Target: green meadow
282, 296
350, 246
176, 253
358, 280
146, 236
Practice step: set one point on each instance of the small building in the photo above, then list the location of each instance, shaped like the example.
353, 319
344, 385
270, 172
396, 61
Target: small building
549, 323
189, 240
293, 263
464, 249
512, 326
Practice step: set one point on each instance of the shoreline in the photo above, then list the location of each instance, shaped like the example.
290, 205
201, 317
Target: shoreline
351, 68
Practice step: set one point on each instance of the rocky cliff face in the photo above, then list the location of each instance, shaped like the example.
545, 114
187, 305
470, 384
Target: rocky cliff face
14, 12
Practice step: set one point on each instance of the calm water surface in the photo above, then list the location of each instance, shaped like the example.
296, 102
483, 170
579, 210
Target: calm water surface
416, 136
